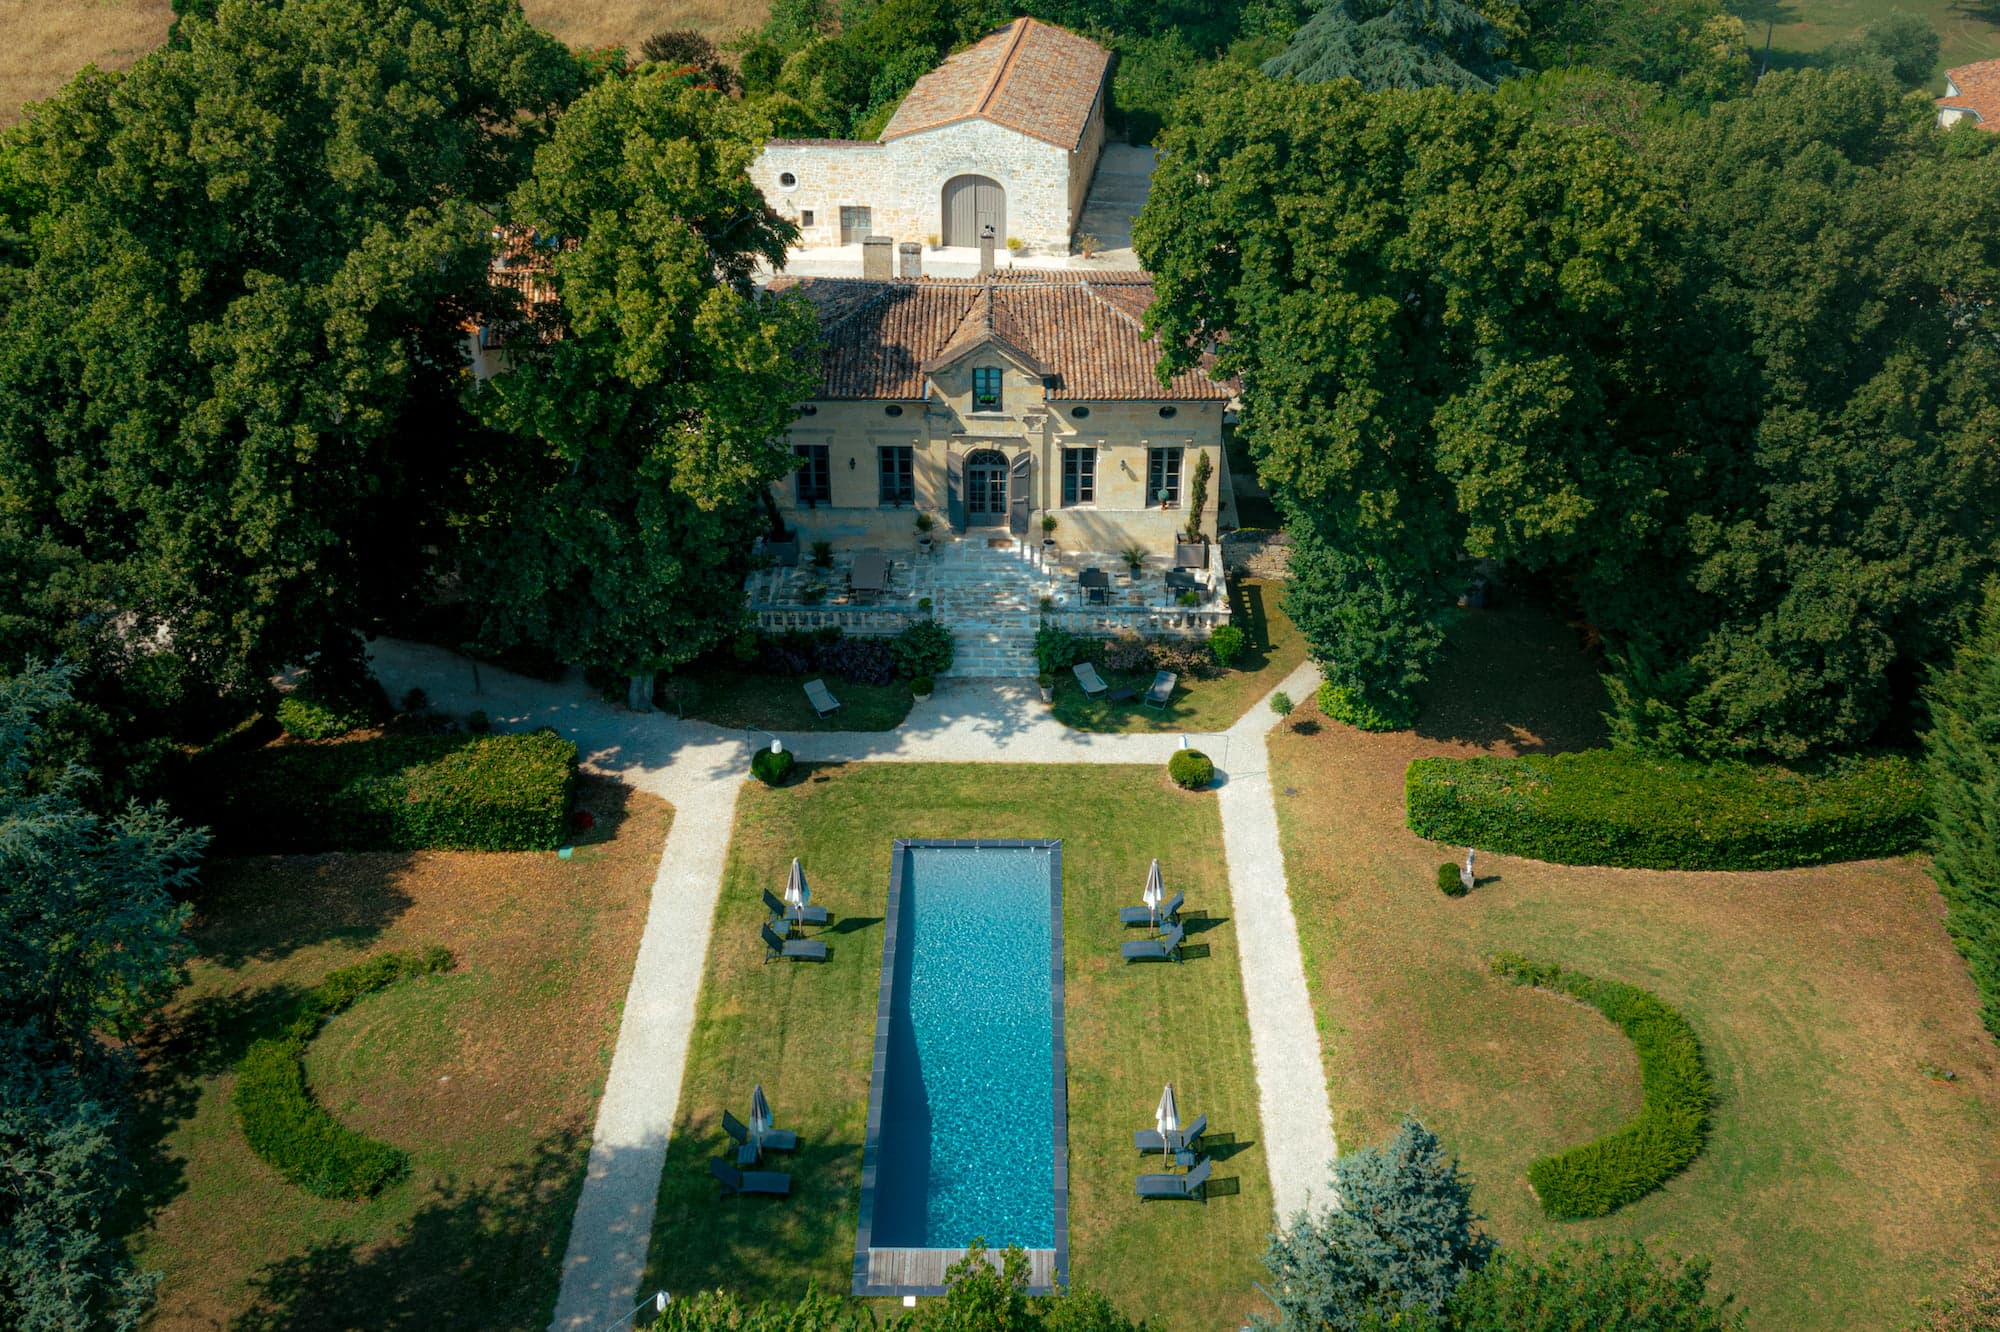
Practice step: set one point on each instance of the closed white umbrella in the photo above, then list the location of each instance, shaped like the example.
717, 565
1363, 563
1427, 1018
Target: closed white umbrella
797, 893
1156, 893
1167, 1119
760, 1118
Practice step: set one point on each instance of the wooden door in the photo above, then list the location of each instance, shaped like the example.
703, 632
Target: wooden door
970, 203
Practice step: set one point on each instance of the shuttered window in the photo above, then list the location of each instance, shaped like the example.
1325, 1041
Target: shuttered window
815, 474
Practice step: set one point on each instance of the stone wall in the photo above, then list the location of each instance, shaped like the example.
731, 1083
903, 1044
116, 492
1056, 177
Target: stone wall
1257, 554
902, 182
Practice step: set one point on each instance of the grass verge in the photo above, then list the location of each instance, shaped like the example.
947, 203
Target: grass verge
1272, 649
1822, 997
806, 1032
487, 1076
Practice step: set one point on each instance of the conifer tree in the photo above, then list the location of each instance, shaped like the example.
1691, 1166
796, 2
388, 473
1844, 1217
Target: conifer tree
1964, 753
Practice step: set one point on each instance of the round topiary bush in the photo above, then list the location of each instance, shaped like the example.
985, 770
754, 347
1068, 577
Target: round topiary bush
1191, 769
1226, 643
922, 686
771, 767
1348, 705
1448, 881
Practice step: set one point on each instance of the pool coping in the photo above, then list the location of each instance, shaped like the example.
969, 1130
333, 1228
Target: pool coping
871, 1144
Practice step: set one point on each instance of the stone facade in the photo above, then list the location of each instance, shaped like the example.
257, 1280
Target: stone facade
1120, 434
901, 182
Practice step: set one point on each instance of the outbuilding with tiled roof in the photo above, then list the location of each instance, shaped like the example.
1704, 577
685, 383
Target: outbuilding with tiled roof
1003, 135
1971, 93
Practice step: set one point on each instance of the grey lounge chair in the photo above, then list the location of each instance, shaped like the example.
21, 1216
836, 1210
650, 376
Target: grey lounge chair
1086, 675
824, 704
776, 1140
793, 950
1178, 1186
1149, 1140
1138, 915
1166, 948
734, 1181
812, 915
1162, 689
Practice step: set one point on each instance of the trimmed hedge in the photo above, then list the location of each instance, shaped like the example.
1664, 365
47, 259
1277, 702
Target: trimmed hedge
1343, 704
1599, 1177
771, 768
1191, 769
397, 793
289, 1130
1609, 807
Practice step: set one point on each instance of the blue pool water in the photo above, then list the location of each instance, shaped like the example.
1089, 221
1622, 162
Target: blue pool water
967, 1094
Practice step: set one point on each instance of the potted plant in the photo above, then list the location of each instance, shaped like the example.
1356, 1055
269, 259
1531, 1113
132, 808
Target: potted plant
1048, 684
924, 525
1088, 245
1135, 558
1049, 533
1164, 495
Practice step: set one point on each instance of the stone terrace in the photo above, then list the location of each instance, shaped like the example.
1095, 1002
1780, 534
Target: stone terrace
989, 590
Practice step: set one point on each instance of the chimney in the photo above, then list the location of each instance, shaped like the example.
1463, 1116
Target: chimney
913, 260
986, 250
878, 258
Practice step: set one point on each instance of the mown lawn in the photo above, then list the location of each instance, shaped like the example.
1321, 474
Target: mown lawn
1272, 650
806, 1032
741, 698
487, 1075
1969, 29
1839, 1182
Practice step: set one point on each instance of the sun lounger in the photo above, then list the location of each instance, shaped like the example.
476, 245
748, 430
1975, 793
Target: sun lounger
734, 1181
775, 1140
1178, 1186
812, 915
1163, 949
1086, 675
1139, 915
792, 950
1181, 1140
1161, 689
824, 704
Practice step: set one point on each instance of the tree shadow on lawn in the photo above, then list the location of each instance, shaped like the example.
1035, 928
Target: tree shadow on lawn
475, 1255
1515, 679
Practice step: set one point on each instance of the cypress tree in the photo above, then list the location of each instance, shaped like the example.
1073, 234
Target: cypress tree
1963, 749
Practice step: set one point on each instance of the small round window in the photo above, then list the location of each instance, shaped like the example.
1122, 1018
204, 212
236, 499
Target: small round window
787, 180
893, 409
1080, 413
1169, 411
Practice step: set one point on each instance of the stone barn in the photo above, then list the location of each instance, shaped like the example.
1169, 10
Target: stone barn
1004, 134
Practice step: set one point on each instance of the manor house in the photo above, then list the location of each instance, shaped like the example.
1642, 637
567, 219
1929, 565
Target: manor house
990, 402
1005, 135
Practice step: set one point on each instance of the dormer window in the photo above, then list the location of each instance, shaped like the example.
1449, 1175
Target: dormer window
986, 388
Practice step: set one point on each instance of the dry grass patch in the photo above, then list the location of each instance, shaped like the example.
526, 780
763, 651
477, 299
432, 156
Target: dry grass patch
488, 1075
48, 41
1839, 1182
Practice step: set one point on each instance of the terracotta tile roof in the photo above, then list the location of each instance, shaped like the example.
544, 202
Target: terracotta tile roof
520, 264
1082, 331
1978, 91
1028, 76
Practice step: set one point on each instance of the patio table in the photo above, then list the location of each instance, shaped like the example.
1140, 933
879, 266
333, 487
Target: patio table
1096, 585
870, 574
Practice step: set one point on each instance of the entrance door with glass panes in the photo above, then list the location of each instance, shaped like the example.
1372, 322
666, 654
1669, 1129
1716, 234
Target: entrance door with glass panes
986, 488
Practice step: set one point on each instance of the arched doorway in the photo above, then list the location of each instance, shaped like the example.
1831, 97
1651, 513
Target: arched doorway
970, 203
985, 488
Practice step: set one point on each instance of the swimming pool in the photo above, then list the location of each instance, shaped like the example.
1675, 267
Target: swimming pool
967, 1108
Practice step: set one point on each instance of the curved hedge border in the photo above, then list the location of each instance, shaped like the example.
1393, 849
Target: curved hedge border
281, 1121
1609, 807
1600, 1177
397, 793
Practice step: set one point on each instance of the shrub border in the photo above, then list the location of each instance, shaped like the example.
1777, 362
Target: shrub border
289, 1130
1597, 1178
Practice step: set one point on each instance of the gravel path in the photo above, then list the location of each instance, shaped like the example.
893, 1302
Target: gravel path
699, 768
